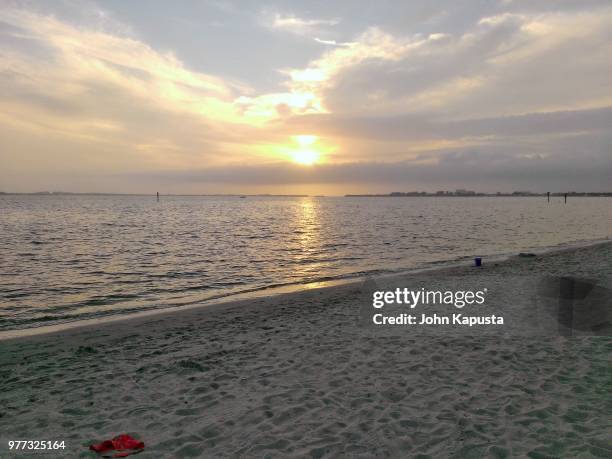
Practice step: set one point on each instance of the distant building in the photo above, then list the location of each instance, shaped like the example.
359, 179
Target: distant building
409, 193
462, 192
522, 193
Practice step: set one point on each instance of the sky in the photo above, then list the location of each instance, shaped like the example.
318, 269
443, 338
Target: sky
313, 97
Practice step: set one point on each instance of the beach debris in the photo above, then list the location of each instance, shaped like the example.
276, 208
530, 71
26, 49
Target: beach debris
527, 255
123, 444
478, 261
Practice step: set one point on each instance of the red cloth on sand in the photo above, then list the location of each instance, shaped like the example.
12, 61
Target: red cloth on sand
124, 443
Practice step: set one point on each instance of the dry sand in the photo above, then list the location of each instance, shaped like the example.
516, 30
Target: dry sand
295, 376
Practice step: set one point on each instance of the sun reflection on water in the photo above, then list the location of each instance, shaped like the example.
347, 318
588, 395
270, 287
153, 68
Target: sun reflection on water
308, 242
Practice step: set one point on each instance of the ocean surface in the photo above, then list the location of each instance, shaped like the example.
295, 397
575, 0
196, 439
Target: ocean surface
65, 258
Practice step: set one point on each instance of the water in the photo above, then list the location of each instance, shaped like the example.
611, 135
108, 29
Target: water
66, 258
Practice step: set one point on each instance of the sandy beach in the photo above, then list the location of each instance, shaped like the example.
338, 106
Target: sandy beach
294, 375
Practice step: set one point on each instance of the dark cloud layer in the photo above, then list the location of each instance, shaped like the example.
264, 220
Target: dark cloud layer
411, 127
477, 169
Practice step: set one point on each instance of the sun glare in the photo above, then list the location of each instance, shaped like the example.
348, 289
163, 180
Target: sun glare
305, 157
306, 153
305, 140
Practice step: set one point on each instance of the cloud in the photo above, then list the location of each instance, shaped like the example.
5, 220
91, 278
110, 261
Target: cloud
334, 42
77, 58
413, 127
293, 22
485, 171
504, 64
71, 85
300, 26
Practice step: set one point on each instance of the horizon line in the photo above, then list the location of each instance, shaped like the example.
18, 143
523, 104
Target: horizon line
442, 193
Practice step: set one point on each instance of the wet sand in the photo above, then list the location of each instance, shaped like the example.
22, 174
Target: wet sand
294, 375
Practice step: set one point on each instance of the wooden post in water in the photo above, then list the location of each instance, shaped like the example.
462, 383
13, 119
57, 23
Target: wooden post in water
158, 196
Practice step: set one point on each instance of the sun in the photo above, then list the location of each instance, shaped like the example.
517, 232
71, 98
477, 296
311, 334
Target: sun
306, 154
305, 157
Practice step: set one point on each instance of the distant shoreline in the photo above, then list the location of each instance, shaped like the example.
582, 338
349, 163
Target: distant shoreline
416, 194
66, 193
459, 194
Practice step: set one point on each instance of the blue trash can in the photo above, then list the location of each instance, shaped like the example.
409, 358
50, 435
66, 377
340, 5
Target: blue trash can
478, 261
